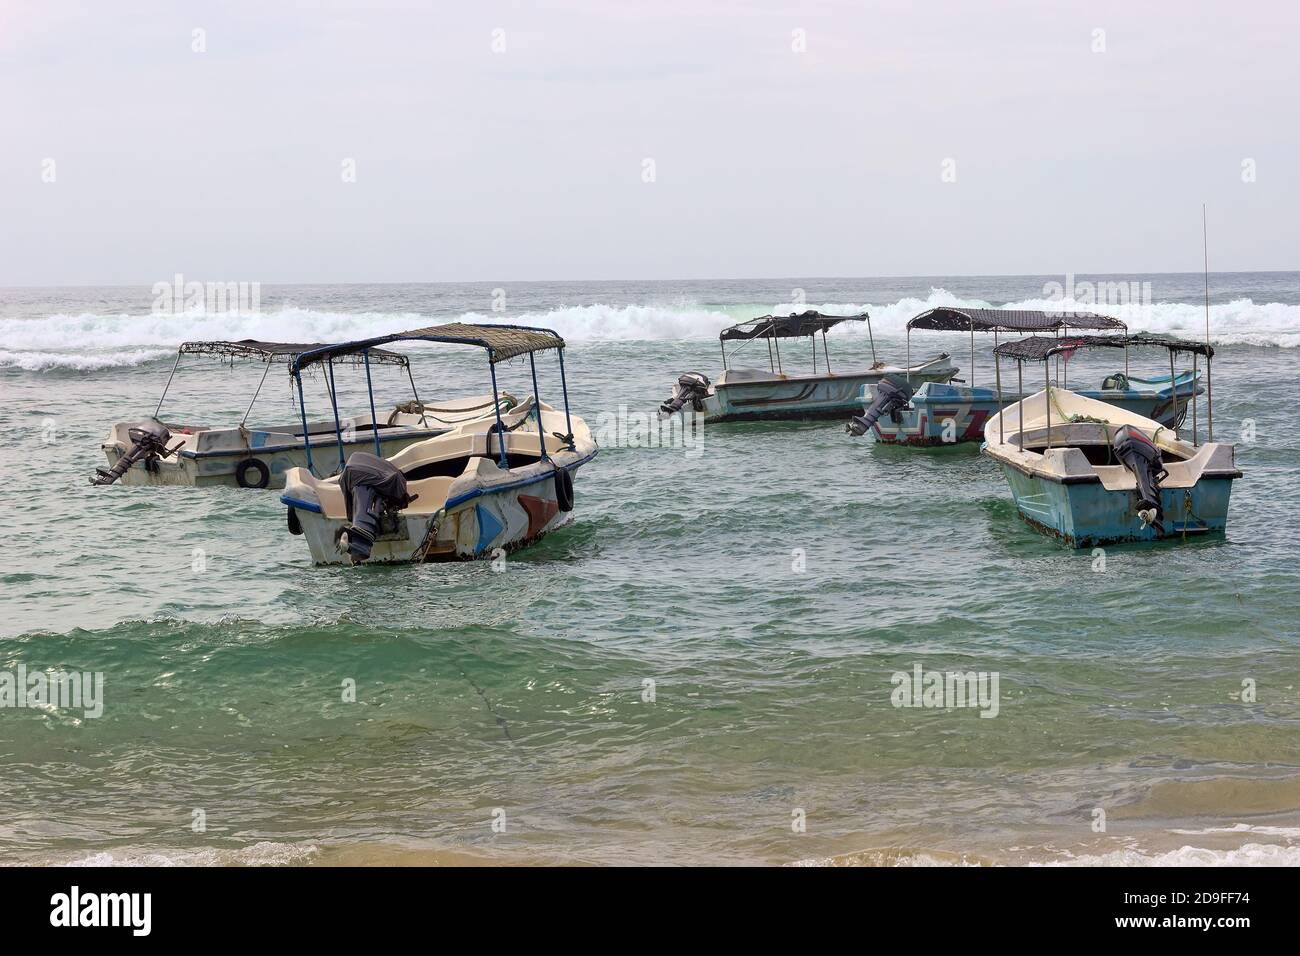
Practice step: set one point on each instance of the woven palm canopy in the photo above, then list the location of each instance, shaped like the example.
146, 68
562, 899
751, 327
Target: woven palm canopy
947, 319
1039, 348
277, 351
501, 341
787, 327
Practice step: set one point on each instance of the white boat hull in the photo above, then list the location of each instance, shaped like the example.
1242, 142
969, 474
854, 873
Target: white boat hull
483, 511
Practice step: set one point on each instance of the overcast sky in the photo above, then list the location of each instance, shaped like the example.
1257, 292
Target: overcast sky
529, 162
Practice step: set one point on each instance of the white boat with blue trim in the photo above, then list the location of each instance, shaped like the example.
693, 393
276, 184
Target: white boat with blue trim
154, 451
483, 488
744, 394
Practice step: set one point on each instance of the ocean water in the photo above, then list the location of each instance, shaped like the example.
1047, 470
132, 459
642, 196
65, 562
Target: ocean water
765, 585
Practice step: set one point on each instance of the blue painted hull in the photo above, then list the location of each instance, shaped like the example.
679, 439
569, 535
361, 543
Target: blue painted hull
945, 414
1086, 515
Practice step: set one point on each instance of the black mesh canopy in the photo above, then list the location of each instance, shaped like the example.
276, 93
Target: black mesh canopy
501, 341
787, 326
278, 351
948, 319
1039, 348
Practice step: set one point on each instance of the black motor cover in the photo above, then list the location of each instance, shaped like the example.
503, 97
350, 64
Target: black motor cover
1141, 456
691, 387
891, 396
371, 486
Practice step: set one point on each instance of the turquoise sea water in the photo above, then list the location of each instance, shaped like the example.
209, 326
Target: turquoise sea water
769, 587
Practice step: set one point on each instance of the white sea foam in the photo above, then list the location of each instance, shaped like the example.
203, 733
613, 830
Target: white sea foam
257, 854
1248, 854
91, 341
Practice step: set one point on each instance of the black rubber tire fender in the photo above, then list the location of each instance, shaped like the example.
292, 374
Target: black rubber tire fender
564, 489
263, 474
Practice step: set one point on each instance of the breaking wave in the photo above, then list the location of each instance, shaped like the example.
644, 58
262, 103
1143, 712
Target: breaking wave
89, 342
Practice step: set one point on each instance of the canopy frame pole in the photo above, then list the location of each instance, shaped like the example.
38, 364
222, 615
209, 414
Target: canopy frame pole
814, 350
501, 429
302, 410
374, 416
1020, 406
249, 410
997, 381
997, 378
771, 362
1209, 397
871, 337
1063, 369
1047, 394
909, 355
780, 369
826, 351
168, 385
1195, 423
537, 408
972, 354
334, 403
721, 344
1173, 392
564, 387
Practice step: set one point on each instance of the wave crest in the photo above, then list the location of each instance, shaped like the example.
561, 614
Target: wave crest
90, 342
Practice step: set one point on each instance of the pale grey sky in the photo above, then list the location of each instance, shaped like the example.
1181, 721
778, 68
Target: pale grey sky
528, 163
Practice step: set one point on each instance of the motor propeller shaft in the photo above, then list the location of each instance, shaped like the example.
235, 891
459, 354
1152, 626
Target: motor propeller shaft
890, 397
148, 443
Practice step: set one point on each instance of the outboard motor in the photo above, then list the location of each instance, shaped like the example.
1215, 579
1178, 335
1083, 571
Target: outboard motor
148, 443
372, 487
891, 397
1140, 455
691, 387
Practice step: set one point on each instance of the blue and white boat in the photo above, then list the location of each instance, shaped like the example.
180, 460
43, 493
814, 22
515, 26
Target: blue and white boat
945, 413
487, 486
1092, 474
902, 410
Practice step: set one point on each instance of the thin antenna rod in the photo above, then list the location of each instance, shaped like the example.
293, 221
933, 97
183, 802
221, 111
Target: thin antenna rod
1209, 380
